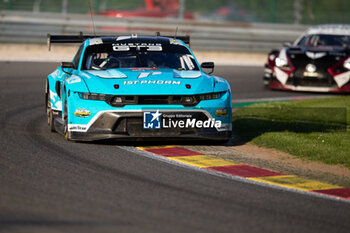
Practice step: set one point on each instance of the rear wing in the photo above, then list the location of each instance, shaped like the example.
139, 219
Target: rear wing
65, 39
61, 39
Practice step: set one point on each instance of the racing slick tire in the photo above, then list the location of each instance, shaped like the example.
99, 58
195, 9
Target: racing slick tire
67, 135
49, 112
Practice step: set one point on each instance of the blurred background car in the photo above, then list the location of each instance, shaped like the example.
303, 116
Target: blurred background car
151, 8
319, 60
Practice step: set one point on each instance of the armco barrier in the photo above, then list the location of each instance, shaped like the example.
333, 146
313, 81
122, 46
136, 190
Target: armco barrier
26, 27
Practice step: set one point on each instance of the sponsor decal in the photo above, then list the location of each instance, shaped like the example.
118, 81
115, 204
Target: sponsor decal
143, 75
161, 82
95, 41
77, 128
221, 112
143, 69
175, 42
127, 46
80, 112
191, 123
158, 120
151, 120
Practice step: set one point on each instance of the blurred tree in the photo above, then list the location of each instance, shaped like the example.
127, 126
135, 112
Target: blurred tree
298, 8
276, 11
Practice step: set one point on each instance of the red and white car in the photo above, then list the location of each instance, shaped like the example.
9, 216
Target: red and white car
319, 60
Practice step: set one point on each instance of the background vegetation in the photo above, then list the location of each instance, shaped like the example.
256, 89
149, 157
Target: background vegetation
275, 11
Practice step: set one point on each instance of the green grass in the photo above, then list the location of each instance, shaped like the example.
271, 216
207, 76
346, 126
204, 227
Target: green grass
312, 129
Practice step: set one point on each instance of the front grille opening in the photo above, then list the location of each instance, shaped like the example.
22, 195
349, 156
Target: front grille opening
154, 99
311, 82
120, 101
129, 98
133, 126
176, 98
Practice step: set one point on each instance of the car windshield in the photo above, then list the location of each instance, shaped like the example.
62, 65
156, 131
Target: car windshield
128, 55
325, 41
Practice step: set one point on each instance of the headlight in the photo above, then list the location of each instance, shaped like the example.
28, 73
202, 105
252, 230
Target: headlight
122, 100
93, 96
280, 62
211, 96
271, 57
347, 63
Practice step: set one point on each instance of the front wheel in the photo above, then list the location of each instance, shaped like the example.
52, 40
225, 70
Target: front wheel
49, 113
267, 83
65, 119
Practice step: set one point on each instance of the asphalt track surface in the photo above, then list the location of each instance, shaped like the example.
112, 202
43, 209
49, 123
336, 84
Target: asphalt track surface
50, 185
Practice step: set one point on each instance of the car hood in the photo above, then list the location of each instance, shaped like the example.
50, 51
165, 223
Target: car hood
322, 57
148, 81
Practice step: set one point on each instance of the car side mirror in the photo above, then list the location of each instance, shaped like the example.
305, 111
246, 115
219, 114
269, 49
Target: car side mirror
208, 65
287, 44
67, 65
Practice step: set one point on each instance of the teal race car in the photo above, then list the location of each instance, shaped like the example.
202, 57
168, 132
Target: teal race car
133, 87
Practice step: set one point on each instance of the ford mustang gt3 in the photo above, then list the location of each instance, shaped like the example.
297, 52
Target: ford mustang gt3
133, 87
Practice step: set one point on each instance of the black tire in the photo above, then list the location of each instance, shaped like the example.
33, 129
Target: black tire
266, 85
65, 119
49, 113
